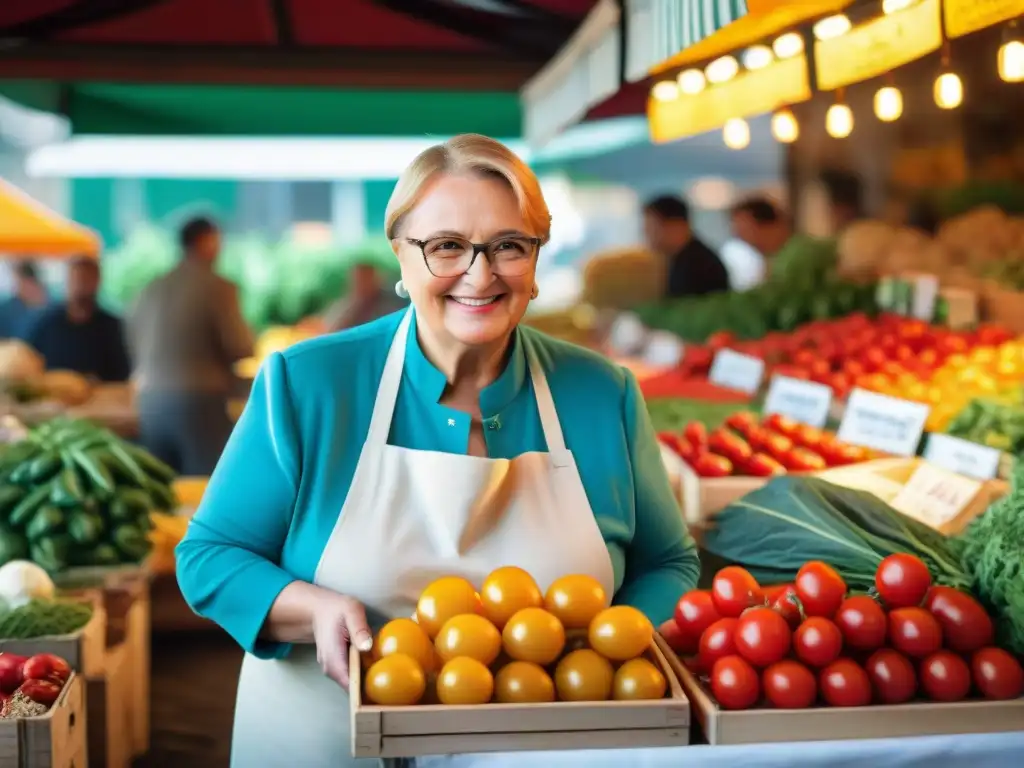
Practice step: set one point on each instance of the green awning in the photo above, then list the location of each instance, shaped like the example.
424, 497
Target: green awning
215, 110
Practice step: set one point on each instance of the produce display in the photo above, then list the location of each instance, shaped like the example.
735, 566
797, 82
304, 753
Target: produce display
30, 686
72, 493
747, 445
997, 423
43, 618
669, 414
815, 642
510, 643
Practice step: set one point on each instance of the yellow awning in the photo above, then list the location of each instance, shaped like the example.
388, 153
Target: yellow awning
28, 228
765, 19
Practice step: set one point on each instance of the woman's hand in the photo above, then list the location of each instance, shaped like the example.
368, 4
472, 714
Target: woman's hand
337, 621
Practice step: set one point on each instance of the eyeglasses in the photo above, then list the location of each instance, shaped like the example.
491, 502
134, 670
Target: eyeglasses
448, 256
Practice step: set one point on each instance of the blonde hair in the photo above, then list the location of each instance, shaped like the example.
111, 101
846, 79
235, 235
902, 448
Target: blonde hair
470, 153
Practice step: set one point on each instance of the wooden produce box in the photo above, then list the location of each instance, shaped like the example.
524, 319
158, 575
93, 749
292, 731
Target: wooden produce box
85, 649
54, 740
109, 701
765, 725
701, 498
439, 730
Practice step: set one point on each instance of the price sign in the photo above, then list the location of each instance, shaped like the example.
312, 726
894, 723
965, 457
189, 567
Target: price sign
803, 401
926, 294
663, 349
934, 496
735, 371
883, 423
962, 456
627, 335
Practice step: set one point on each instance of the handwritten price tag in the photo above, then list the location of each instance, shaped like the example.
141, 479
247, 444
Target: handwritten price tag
962, 456
735, 371
883, 423
803, 401
934, 496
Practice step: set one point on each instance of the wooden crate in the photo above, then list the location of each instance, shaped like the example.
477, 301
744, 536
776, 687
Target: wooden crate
437, 729
765, 725
84, 650
54, 740
108, 700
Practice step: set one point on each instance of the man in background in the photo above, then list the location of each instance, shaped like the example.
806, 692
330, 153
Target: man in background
693, 268
186, 333
79, 335
790, 256
18, 311
366, 299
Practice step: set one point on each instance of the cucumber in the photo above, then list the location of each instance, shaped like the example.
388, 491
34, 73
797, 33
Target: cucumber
150, 464
27, 507
131, 542
104, 554
135, 499
126, 464
10, 495
51, 553
44, 467
48, 520
85, 528
67, 488
163, 496
95, 471
22, 474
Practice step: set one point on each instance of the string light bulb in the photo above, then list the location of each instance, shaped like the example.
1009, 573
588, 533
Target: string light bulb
736, 133
691, 81
895, 6
832, 27
757, 57
785, 128
722, 70
666, 90
788, 45
888, 104
949, 90
1011, 61
839, 121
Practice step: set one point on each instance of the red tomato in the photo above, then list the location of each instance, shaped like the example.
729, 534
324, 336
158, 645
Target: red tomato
777, 445
734, 683
763, 465
718, 641
915, 632
682, 644
892, 676
742, 422
729, 444
695, 612
11, 675
966, 626
678, 445
783, 425
41, 691
696, 434
46, 666
720, 340
789, 685
997, 674
818, 642
762, 636
710, 465
820, 588
902, 580
862, 622
844, 684
787, 605
945, 677
774, 592
808, 437
734, 590
802, 460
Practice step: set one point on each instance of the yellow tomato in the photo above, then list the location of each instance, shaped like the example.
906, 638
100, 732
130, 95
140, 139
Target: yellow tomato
506, 591
534, 635
576, 600
957, 361
584, 675
448, 596
523, 682
405, 636
395, 681
620, 633
917, 392
638, 680
464, 681
468, 635
1009, 369
984, 355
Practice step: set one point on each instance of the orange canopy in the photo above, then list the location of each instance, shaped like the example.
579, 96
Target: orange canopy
28, 228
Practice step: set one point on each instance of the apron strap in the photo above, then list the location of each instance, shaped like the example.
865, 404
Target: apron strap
560, 457
387, 392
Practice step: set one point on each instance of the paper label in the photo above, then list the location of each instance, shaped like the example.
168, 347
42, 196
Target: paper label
735, 371
883, 423
663, 350
804, 401
926, 292
963, 456
934, 496
627, 335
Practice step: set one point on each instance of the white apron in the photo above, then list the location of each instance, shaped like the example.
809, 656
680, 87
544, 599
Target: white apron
411, 517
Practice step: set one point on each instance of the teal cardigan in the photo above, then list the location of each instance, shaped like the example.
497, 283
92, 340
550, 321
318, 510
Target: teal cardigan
273, 500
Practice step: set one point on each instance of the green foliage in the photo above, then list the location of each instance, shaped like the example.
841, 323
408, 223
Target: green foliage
279, 283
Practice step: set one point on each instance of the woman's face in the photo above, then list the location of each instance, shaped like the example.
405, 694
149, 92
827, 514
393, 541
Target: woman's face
478, 209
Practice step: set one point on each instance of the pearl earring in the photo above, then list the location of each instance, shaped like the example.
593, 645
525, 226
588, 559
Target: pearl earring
401, 291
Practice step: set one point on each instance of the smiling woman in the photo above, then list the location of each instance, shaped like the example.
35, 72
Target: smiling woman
452, 440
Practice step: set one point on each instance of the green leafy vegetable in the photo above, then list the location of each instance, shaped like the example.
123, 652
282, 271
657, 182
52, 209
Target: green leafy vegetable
42, 618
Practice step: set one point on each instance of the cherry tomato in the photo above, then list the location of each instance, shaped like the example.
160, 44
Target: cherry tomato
395, 681
945, 677
818, 641
718, 640
695, 612
774, 592
712, 465
522, 682
802, 460
507, 590
776, 445
966, 626
742, 422
783, 424
446, 597
862, 622
533, 634
762, 637
915, 632
734, 683
787, 605
729, 444
575, 600
584, 675
405, 636
464, 681
789, 685
683, 645
820, 588
620, 633
468, 635
696, 434
892, 676
844, 684
902, 581
734, 590
997, 674
638, 680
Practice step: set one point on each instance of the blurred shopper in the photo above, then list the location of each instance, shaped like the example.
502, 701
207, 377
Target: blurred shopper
789, 255
845, 199
18, 312
367, 299
79, 335
693, 268
186, 334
